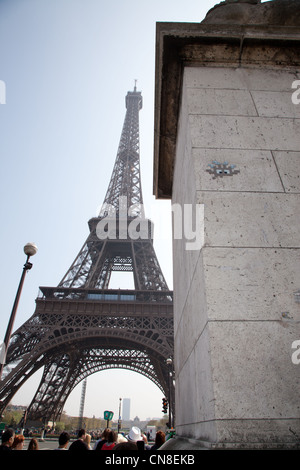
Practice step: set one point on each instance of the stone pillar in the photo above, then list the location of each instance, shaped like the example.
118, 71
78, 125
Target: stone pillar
227, 136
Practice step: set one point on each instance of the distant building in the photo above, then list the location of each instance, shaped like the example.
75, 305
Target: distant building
126, 409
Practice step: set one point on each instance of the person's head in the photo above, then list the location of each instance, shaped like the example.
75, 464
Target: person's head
106, 433
125, 446
81, 433
112, 436
64, 439
33, 444
134, 434
8, 437
18, 442
160, 438
87, 439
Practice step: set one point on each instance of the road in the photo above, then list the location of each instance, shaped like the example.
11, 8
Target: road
47, 444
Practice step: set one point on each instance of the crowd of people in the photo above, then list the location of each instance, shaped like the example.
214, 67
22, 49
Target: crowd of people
110, 440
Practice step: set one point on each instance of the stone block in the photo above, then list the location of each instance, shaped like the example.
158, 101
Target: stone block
197, 409
257, 170
232, 78
184, 267
191, 320
186, 392
260, 379
244, 132
288, 164
214, 77
251, 219
258, 434
252, 284
268, 79
275, 104
220, 102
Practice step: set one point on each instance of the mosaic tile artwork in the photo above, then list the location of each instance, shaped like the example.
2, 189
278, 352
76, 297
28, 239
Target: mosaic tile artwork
218, 169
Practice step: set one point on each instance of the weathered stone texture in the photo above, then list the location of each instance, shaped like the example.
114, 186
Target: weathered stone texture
235, 312
277, 12
224, 95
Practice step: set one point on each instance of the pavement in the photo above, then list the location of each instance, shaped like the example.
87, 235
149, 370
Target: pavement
46, 444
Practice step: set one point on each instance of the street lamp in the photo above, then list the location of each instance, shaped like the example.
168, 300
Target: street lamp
119, 420
30, 249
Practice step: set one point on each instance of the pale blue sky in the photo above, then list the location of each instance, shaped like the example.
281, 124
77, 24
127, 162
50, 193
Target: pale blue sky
67, 66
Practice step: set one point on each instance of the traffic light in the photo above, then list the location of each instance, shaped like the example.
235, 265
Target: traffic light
164, 405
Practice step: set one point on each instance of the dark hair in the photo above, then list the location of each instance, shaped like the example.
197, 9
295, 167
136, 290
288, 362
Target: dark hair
112, 436
125, 446
33, 444
81, 433
160, 438
63, 438
106, 433
8, 433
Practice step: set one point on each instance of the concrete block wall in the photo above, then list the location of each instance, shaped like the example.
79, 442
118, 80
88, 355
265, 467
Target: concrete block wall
235, 310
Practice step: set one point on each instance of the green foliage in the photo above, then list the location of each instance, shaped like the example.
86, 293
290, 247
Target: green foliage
12, 418
71, 422
59, 426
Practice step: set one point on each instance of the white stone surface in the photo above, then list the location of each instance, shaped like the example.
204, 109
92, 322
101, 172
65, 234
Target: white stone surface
251, 219
220, 102
196, 418
259, 378
242, 132
288, 164
193, 318
240, 78
257, 170
252, 284
235, 310
274, 104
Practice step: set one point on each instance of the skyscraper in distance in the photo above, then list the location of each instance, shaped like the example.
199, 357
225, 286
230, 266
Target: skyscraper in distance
126, 409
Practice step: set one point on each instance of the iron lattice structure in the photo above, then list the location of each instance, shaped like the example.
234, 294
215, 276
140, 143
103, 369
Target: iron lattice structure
82, 326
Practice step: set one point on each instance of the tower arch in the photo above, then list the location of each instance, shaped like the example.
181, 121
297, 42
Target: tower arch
81, 326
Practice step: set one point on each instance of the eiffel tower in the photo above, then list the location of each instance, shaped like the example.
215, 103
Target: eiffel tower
82, 326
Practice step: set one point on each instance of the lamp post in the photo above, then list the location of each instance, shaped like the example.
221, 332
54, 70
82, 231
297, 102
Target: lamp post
119, 420
169, 364
30, 249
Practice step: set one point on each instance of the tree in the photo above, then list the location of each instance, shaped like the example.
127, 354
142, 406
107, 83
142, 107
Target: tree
12, 417
59, 426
